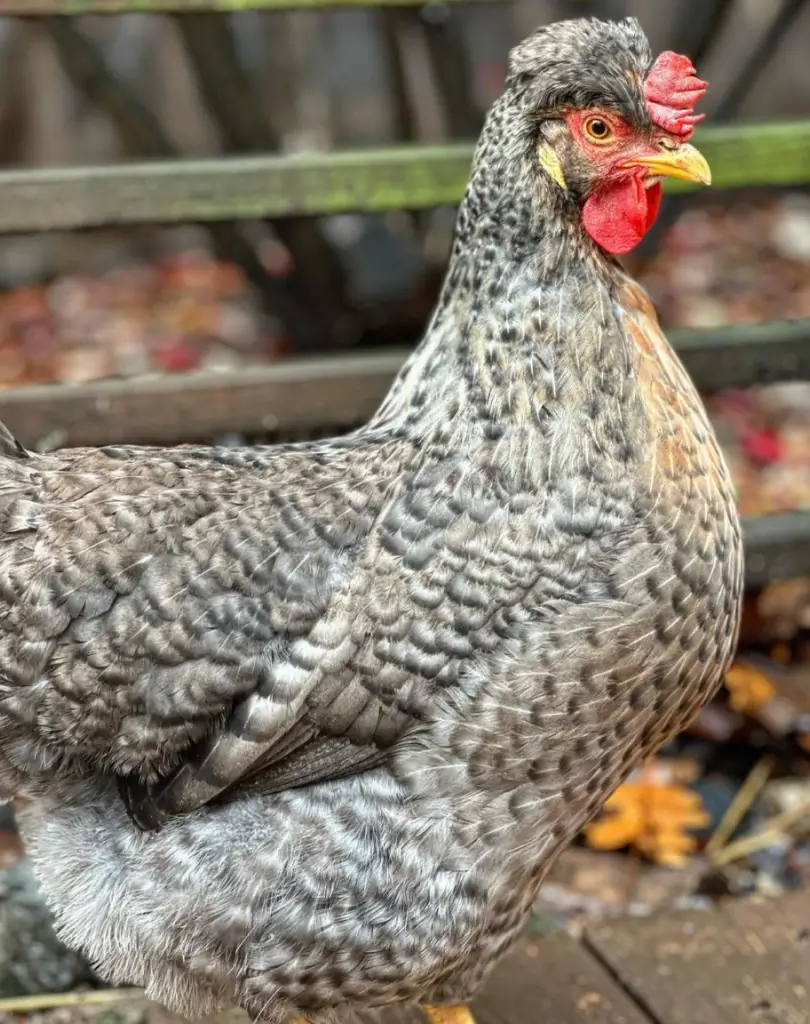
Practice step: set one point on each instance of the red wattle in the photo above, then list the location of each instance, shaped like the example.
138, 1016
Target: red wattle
619, 215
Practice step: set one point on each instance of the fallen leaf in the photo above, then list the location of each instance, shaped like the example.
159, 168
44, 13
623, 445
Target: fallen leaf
749, 688
652, 817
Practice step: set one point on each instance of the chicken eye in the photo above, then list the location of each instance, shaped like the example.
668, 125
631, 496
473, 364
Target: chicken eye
597, 129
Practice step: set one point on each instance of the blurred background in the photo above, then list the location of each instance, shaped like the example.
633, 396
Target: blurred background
238, 318
105, 90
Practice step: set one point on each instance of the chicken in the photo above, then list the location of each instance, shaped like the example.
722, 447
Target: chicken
304, 726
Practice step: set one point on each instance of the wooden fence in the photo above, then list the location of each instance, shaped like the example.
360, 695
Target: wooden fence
339, 392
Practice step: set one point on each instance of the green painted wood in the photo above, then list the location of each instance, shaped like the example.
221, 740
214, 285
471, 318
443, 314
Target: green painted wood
232, 188
741, 155
30, 8
405, 177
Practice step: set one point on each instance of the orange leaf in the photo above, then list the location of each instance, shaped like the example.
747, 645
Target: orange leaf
622, 822
652, 816
749, 688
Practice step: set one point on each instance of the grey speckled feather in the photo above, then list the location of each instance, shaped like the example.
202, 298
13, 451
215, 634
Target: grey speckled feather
305, 726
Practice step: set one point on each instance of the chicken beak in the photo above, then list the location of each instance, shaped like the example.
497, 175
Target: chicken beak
684, 162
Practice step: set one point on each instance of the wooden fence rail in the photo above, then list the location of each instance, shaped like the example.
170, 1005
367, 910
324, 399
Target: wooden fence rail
33, 8
336, 394
395, 178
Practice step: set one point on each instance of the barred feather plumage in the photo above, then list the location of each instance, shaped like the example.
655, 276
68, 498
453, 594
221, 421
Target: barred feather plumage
357, 694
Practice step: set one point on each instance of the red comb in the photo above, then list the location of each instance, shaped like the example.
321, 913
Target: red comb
672, 89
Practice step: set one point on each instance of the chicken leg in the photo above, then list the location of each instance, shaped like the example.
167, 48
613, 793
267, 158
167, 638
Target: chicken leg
448, 1014
435, 1015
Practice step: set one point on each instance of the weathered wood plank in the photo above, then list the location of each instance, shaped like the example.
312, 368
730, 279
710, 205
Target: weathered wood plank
547, 979
741, 355
298, 395
743, 155
239, 188
332, 393
740, 964
404, 177
37, 7
777, 547
551, 979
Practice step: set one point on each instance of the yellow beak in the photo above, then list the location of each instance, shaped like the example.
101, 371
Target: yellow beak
685, 162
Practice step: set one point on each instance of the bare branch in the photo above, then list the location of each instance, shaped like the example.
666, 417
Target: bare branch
143, 135
394, 21
318, 278
452, 69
